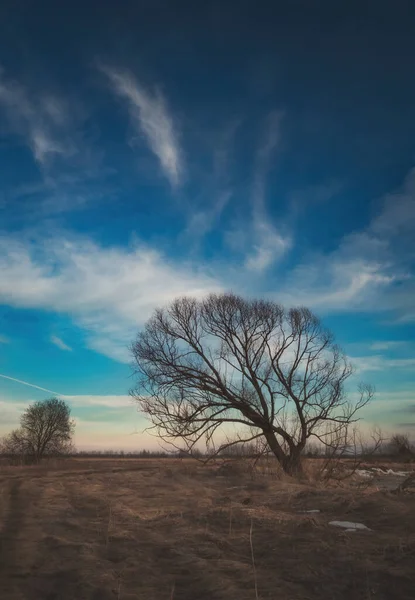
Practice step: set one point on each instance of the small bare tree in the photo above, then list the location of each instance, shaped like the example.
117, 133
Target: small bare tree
204, 365
46, 429
400, 445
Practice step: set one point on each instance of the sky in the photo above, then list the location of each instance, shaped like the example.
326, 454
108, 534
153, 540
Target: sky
155, 149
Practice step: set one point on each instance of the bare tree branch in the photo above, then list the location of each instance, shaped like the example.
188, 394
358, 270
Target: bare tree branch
202, 365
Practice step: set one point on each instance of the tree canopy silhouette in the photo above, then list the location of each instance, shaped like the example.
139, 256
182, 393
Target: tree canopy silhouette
203, 366
46, 428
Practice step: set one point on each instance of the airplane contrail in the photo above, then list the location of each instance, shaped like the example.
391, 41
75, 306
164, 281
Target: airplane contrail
30, 385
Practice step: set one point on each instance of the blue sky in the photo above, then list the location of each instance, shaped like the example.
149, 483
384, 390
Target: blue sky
155, 149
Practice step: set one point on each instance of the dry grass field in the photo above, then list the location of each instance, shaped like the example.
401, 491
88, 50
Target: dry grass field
177, 530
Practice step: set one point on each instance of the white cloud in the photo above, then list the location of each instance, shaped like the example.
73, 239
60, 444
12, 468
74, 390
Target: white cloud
269, 244
268, 248
109, 292
202, 221
371, 270
314, 195
114, 401
10, 413
402, 397
42, 120
396, 217
386, 345
151, 116
60, 343
51, 127
337, 282
216, 188
380, 363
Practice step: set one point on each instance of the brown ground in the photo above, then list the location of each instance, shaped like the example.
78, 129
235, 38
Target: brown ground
176, 530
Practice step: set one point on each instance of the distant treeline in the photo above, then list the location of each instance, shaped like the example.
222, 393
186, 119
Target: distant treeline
124, 454
398, 446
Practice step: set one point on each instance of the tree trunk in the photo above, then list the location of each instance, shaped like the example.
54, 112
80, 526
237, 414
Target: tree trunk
291, 462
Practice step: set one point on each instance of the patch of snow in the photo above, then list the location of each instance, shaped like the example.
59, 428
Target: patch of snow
390, 472
364, 473
349, 525
397, 473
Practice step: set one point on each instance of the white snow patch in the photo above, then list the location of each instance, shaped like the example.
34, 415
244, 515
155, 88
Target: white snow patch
364, 473
378, 471
349, 525
391, 472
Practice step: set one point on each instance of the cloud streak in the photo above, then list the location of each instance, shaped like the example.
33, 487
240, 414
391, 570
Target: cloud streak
387, 345
42, 120
370, 270
32, 385
380, 363
269, 243
151, 117
50, 126
112, 402
78, 400
60, 343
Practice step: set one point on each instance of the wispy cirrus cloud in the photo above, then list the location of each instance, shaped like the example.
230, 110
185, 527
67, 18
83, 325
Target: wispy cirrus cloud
4, 339
60, 343
51, 125
42, 120
202, 221
335, 282
270, 244
370, 270
314, 195
216, 189
151, 116
269, 247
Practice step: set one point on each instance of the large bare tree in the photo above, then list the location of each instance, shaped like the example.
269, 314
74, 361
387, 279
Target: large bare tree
46, 429
203, 366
